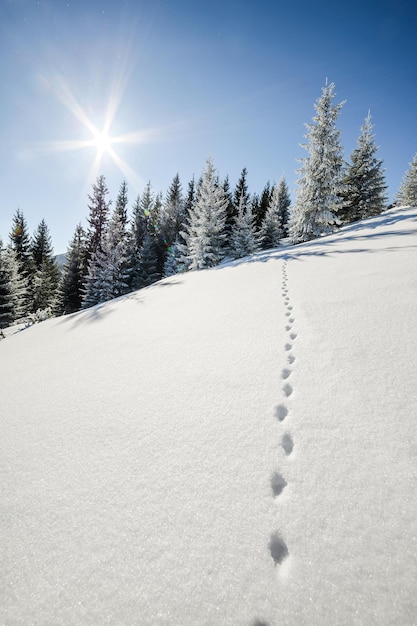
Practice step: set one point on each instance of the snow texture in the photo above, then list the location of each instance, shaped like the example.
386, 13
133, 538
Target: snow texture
229, 446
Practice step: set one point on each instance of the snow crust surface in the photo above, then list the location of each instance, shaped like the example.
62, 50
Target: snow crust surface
231, 446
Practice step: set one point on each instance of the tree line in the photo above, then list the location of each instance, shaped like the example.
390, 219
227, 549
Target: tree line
117, 253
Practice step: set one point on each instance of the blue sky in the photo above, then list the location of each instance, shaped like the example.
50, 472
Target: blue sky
178, 81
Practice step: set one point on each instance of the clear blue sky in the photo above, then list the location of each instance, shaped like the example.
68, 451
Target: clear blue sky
183, 80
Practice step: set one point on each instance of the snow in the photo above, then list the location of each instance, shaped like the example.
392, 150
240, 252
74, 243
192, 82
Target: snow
229, 446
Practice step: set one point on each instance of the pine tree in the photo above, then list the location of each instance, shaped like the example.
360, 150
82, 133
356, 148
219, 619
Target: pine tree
99, 208
206, 231
182, 239
363, 191
284, 203
172, 214
20, 244
231, 210
260, 204
108, 274
149, 261
69, 298
244, 239
46, 273
7, 313
272, 228
136, 237
407, 193
319, 185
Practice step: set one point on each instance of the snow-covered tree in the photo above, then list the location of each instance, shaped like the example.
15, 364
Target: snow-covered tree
284, 203
23, 261
407, 193
108, 274
260, 204
149, 261
319, 184
99, 208
244, 239
69, 298
46, 273
363, 191
7, 313
272, 227
206, 234
172, 214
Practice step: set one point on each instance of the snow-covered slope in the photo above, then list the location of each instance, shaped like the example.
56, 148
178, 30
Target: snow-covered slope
233, 446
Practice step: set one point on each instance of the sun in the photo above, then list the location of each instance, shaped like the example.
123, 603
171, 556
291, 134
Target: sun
102, 141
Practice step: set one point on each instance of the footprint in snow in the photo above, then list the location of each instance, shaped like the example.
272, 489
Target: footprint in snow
287, 443
281, 412
288, 347
286, 373
293, 335
278, 548
291, 320
288, 328
278, 483
287, 389
291, 359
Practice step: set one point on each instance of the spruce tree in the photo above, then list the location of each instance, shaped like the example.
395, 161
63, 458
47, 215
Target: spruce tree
319, 184
363, 191
284, 203
108, 274
206, 233
46, 273
244, 239
272, 228
172, 215
260, 204
99, 208
7, 313
407, 193
20, 244
69, 298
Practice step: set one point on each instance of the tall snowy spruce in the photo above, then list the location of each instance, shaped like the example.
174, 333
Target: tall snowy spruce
319, 184
206, 232
108, 272
23, 262
244, 239
363, 191
69, 298
407, 193
46, 273
6, 294
272, 227
99, 208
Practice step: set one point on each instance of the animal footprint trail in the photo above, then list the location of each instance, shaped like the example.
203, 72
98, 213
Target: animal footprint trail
277, 546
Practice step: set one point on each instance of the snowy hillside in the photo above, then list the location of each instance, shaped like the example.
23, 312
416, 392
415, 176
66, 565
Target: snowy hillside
235, 446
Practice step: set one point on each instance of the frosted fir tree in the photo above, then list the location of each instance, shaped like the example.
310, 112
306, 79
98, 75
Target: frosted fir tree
272, 227
99, 208
172, 263
206, 233
23, 261
46, 273
284, 203
363, 191
108, 275
244, 239
407, 193
69, 297
172, 213
7, 312
260, 204
319, 184
149, 261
